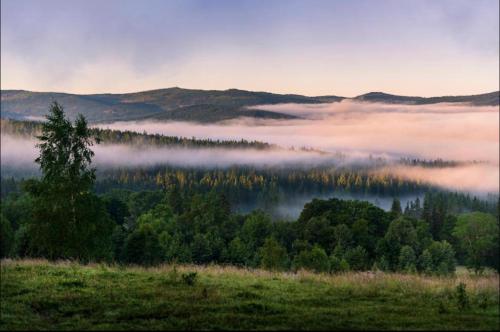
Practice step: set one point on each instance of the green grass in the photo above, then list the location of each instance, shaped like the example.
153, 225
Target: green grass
42, 295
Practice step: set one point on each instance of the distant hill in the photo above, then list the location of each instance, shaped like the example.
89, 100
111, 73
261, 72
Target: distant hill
190, 105
484, 99
164, 104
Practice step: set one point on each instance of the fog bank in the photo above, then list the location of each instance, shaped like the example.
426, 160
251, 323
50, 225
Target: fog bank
291, 206
473, 178
356, 130
447, 131
21, 152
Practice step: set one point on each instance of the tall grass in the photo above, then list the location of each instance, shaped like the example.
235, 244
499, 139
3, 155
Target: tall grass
40, 294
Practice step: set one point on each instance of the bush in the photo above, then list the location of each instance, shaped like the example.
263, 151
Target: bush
443, 257
338, 265
6, 237
142, 246
438, 258
22, 245
334, 264
425, 262
357, 258
237, 253
344, 265
173, 276
381, 264
407, 259
400, 233
273, 256
313, 260
201, 249
189, 278
462, 297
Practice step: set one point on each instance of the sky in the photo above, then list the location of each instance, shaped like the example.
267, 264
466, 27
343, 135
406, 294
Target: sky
314, 47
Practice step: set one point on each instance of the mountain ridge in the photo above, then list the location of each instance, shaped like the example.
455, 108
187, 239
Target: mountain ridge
195, 105
483, 99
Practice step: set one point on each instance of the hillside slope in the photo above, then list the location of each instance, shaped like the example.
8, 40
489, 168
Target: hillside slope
163, 104
191, 105
485, 99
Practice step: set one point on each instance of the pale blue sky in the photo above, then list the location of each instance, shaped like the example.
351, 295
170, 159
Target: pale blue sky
413, 47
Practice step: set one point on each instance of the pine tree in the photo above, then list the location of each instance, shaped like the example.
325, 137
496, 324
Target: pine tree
427, 209
396, 208
174, 199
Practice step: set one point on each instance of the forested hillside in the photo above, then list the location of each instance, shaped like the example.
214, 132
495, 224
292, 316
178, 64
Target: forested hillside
31, 129
485, 99
192, 105
192, 220
246, 186
163, 104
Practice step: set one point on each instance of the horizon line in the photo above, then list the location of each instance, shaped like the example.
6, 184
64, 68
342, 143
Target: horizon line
254, 91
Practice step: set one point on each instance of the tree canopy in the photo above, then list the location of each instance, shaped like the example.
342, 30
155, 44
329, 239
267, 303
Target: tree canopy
68, 220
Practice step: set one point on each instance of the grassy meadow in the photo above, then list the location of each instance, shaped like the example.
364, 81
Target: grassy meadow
37, 294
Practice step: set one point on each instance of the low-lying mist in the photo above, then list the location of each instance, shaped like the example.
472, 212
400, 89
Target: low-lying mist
475, 178
21, 152
291, 206
357, 130
448, 131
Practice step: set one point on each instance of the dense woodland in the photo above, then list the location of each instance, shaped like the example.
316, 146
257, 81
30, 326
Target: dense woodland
264, 188
260, 187
30, 129
151, 216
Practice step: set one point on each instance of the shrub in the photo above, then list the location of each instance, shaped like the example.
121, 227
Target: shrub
314, 260
425, 262
189, 278
334, 264
400, 233
461, 296
338, 265
381, 264
273, 256
344, 265
237, 253
201, 249
6, 237
443, 257
173, 276
142, 246
357, 258
407, 259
